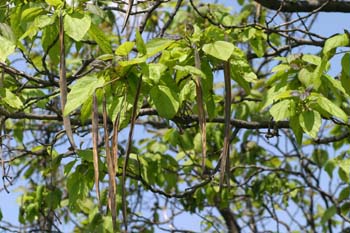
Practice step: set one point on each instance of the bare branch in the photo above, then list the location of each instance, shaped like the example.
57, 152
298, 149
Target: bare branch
306, 6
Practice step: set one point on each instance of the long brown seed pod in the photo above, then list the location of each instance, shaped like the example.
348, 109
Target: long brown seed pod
114, 162
201, 111
95, 144
110, 167
128, 150
226, 149
63, 84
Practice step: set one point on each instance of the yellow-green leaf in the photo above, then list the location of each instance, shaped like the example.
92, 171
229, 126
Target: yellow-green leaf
101, 39
125, 48
10, 99
165, 100
219, 49
331, 108
76, 25
54, 2
310, 122
7, 47
335, 41
81, 91
280, 111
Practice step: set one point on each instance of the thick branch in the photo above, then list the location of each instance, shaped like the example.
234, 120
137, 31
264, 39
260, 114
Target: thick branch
186, 120
306, 6
230, 220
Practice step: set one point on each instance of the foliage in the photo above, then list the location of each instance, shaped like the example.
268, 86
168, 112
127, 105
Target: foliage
287, 117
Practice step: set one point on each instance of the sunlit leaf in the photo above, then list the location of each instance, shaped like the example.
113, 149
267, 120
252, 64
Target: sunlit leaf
345, 62
157, 45
312, 59
54, 2
335, 41
165, 100
190, 69
219, 49
280, 111
101, 39
310, 121
7, 48
125, 48
258, 46
344, 194
10, 99
140, 44
330, 107
76, 25
81, 91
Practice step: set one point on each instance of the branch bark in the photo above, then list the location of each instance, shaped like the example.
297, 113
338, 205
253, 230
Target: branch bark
306, 6
230, 220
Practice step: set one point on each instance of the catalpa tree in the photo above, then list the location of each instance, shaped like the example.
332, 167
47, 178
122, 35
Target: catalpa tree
133, 116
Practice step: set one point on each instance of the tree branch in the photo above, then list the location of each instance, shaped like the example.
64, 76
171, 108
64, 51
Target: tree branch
230, 220
306, 6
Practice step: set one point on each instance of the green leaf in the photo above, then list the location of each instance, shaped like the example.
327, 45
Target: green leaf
157, 45
140, 44
330, 107
10, 99
328, 214
187, 92
316, 75
345, 208
6, 31
304, 77
190, 70
85, 110
312, 59
166, 101
345, 82
281, 67
95, 9
344, 167
345, 63
345, 74
125, 48
68, 167
344, 194
81, 91
85, 155
155, 71
329, 167
134, 61
219, 49
7, 47
310, 121
76, 25
49, 35
257, 45
78, 184
334, 42
101, 39
280, 111
54, 2
241, 74
53, 198
320, 157
42, 21
333, 83
30, 14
